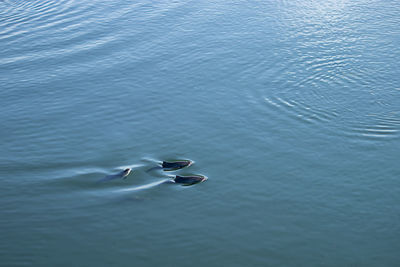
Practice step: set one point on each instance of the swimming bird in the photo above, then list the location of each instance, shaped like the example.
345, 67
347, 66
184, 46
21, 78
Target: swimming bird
189, 180
172, 165
175, 165
123, 174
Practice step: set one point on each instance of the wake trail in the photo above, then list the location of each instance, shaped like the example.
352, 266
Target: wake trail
142, 187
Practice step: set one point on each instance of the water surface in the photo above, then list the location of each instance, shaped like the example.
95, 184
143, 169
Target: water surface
291, 108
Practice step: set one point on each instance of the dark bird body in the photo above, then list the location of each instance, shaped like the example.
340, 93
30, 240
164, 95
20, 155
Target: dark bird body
172, 165
175, 165
189, 180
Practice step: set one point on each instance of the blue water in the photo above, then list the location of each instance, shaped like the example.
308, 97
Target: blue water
290, 108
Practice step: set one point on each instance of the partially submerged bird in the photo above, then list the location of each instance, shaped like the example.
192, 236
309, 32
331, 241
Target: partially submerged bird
189, 180
172, 165
174, 179
175, 165
123, 174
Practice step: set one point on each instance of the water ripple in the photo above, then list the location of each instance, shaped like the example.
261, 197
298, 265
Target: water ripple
326, 75
378, 127
301, 111
345, 122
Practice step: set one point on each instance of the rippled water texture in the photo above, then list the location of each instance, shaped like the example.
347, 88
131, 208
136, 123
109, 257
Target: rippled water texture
290, 108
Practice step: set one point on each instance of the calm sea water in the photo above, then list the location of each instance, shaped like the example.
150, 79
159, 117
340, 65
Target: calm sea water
291, 108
